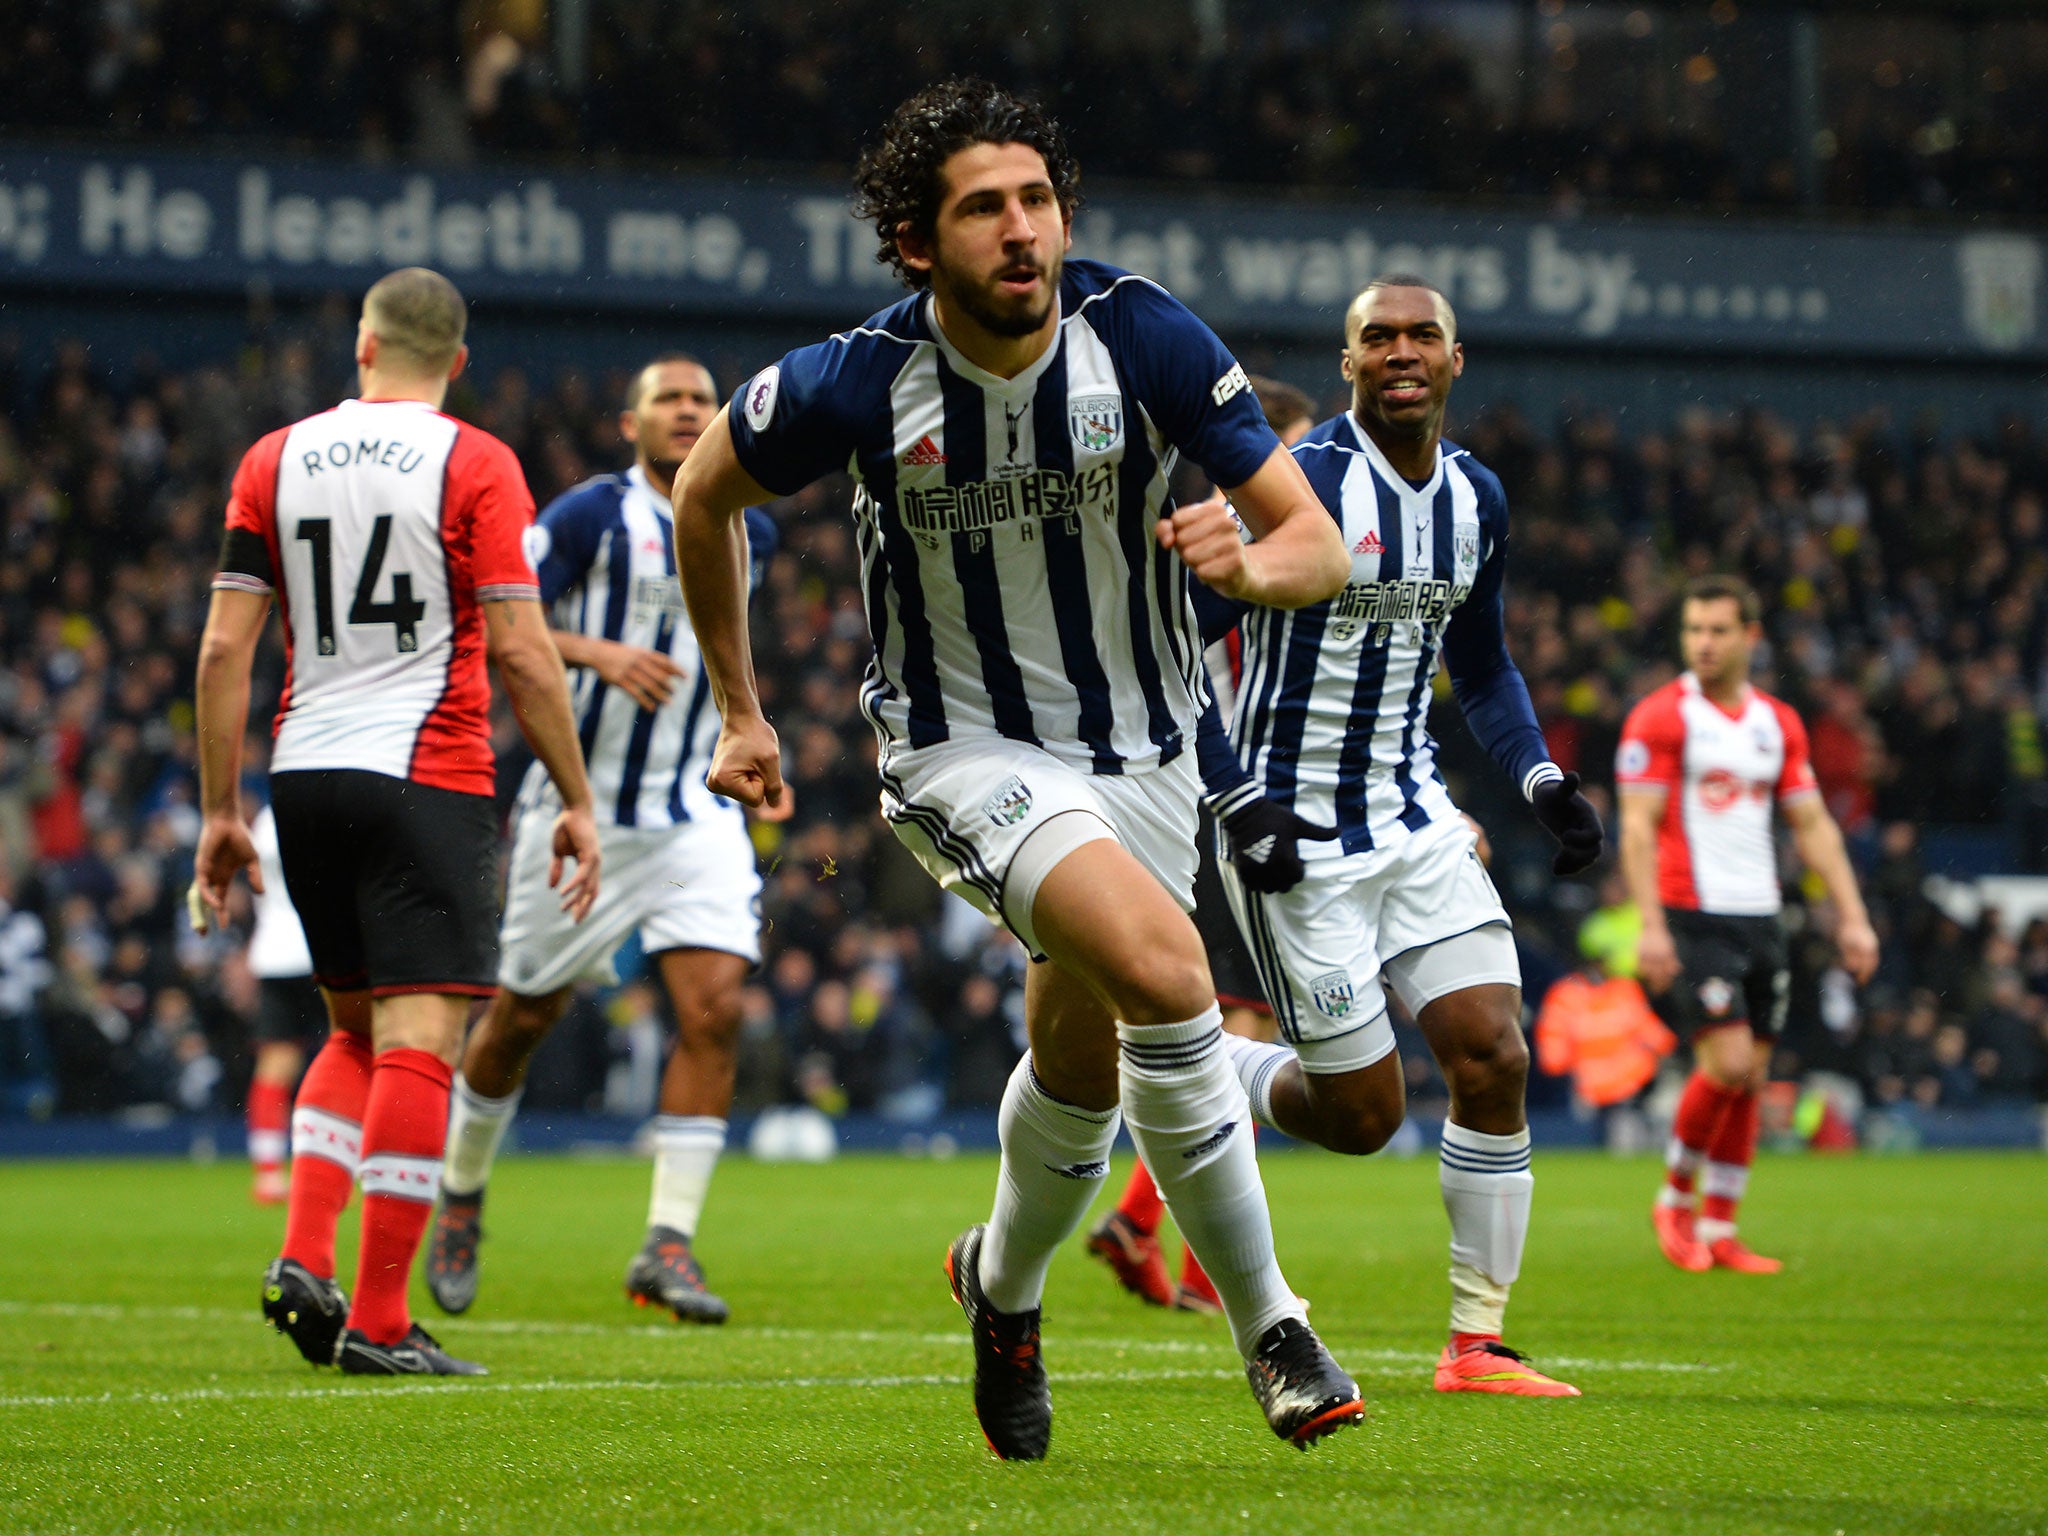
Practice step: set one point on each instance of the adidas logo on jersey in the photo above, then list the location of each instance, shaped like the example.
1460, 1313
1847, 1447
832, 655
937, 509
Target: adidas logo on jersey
1369, 545
926, 452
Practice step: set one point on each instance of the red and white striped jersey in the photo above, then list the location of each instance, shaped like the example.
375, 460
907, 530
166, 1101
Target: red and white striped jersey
1722, 772
382, 526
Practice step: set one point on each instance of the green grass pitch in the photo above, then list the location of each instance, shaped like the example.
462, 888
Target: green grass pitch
1889, 1380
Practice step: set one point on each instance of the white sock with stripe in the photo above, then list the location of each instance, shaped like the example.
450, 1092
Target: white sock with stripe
1256, 1063
686, 1149
476, 1127
1189, 1116
1487, 1190
1055, 1157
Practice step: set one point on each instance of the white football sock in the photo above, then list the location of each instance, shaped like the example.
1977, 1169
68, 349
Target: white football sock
1191, 1121
1055, 1157
1683, 1163
1719, 1182
476, 1125
1256, 1064
686, 1149
1487, 1190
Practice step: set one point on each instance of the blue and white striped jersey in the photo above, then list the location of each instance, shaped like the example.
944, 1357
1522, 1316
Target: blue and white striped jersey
1331, 716
1014, 585
605, 553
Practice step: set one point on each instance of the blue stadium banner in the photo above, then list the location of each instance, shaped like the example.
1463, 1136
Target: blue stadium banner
757, 250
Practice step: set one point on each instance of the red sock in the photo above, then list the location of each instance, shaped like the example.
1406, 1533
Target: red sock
1729, 1155
270, 1113
405, 1131
1141, 1203
1460, 1342
327, 1143
1701, 1109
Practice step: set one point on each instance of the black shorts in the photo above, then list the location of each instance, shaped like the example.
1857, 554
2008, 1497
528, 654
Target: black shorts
289, 1010
1230, 963
1736, 971
396, 883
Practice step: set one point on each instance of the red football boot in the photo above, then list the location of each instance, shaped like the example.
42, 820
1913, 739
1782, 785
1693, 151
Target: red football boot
1675, 1236
1492, 1367
1134, 1256
1729, 1253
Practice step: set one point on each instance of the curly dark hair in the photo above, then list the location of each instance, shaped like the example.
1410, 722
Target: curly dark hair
897, 184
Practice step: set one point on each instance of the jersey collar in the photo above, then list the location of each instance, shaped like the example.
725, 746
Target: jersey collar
1690, 682
1025, 382
1380, 461
639, 484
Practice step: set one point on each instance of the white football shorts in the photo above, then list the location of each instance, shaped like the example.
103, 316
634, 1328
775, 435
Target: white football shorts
965, 808
690, 886
1423, 912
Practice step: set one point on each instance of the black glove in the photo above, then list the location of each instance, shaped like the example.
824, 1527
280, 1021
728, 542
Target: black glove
1570, 818
1262, 838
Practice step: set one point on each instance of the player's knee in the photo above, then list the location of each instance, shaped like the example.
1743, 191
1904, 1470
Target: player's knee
710, 1015
1360, 1133
1163, 985
521, 1023
1358, 1117
1489, 1064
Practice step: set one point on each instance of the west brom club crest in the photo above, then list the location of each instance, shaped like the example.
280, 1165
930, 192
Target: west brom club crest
1097, 421
1332, 993
1009, 804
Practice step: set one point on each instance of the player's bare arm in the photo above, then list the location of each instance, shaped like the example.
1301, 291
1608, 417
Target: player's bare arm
1299, 557
1819, 842
712, 491
646, 677
234, 624
531, 668
1642, 807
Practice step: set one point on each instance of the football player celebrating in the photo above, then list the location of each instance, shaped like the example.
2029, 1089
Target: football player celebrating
1329, 731
1036, 688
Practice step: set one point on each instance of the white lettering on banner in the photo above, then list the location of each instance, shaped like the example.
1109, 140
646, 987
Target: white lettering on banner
1584, 284
178, 224
24, 221
1328, 273
148, 220
1592, 291
1171, 255
712, 249
829, 228
513, 233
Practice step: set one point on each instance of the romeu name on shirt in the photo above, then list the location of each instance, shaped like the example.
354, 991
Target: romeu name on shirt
382, 527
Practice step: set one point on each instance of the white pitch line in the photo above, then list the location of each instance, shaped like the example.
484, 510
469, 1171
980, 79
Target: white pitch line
801, 1383
538, 1327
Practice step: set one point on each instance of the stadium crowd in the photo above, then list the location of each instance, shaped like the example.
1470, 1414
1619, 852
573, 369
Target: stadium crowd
1339, 96
1904, 579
